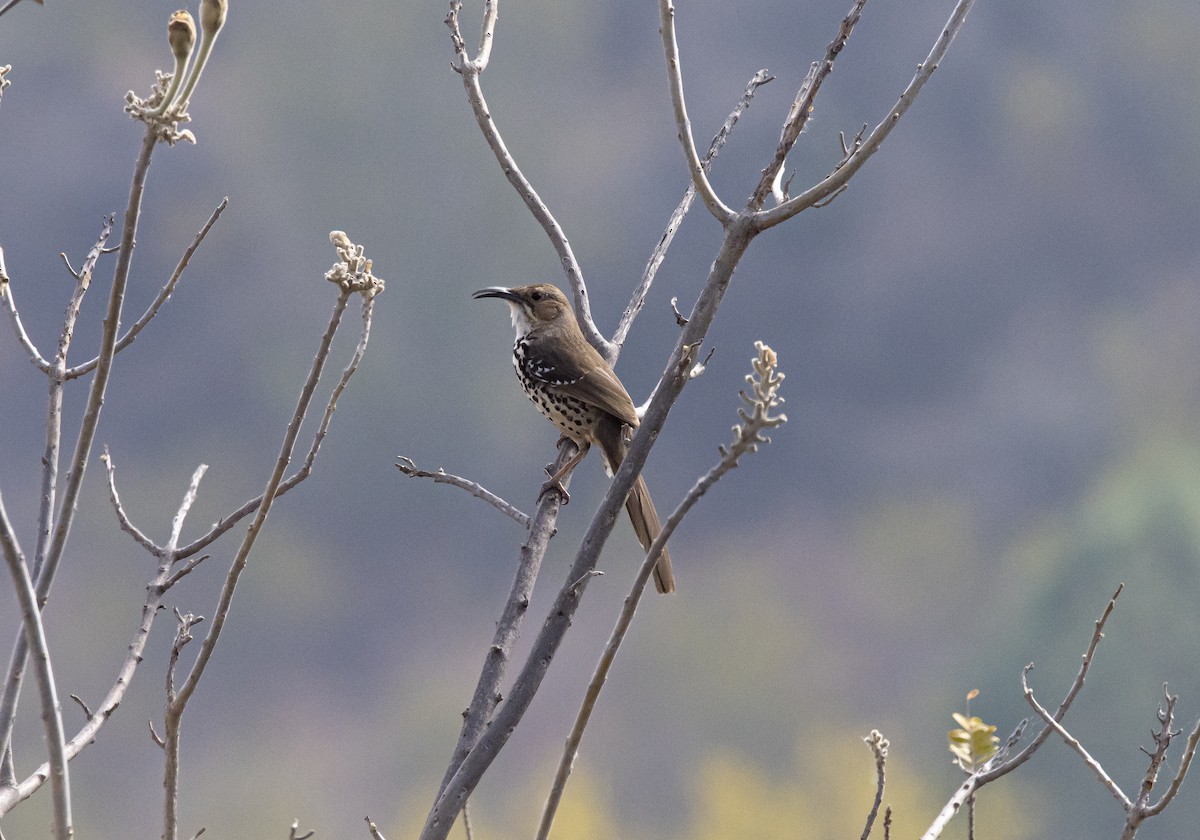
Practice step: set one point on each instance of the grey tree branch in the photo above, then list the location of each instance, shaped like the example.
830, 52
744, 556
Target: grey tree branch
747, 435
802, 105
163, 296
470, 71
659, 253
683, 126
837, 180
1001, 765
1073, 743
35, 634
26, 342
408, 467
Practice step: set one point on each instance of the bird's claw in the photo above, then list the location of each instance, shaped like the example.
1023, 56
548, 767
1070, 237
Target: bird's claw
554, 484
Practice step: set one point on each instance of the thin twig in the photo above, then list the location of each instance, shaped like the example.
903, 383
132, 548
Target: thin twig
470, 72
659, 253
802, 106
1073, 742
409, 468
879, 746
1189, 753
6, 299
1021, 757
126, 523
683, 126
163, 296
845, 170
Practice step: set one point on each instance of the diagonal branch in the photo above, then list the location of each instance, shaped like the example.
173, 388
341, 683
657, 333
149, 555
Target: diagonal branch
163, 296
748, 434
1073, 743
6, 299
659, 253
408, 467
470, 71
837, 179
35, 634
229, 520
802, 106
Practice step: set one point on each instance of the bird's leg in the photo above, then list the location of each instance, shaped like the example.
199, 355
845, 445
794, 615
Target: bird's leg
554, 482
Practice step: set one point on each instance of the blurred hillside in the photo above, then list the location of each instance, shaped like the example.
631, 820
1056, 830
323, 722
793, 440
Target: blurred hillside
993, 378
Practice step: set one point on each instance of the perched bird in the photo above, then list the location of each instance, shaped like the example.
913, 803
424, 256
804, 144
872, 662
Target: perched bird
572, 385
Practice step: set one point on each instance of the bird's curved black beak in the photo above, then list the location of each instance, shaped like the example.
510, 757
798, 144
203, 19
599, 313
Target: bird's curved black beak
496, 292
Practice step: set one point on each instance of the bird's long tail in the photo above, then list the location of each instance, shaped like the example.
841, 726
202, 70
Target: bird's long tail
641, 510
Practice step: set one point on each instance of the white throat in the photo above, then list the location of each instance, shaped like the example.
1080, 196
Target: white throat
520, 320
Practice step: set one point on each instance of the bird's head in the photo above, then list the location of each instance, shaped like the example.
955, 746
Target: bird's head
532, 306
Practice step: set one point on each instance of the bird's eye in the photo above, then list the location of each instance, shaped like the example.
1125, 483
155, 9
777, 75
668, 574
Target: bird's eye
536, 296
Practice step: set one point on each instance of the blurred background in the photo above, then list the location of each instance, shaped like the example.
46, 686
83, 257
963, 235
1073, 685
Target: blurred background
993, 385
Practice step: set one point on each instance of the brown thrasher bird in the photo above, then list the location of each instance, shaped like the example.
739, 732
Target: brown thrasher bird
572, 385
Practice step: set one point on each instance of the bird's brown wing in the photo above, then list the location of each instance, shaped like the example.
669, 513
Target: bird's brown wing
578, 371
601, 388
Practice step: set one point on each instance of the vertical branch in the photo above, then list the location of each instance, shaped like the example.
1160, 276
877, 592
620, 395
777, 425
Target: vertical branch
35, 634
108, 341
683, 126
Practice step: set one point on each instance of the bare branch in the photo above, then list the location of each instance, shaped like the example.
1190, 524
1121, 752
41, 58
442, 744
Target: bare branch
764, 383
470, 71
1073, 742
35, 635
802, 107
126, 524
487, 690
163, 296
409, 468
879, 746
683, 126
95, 401
837, 179
659, 253
87, 713
6, 299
